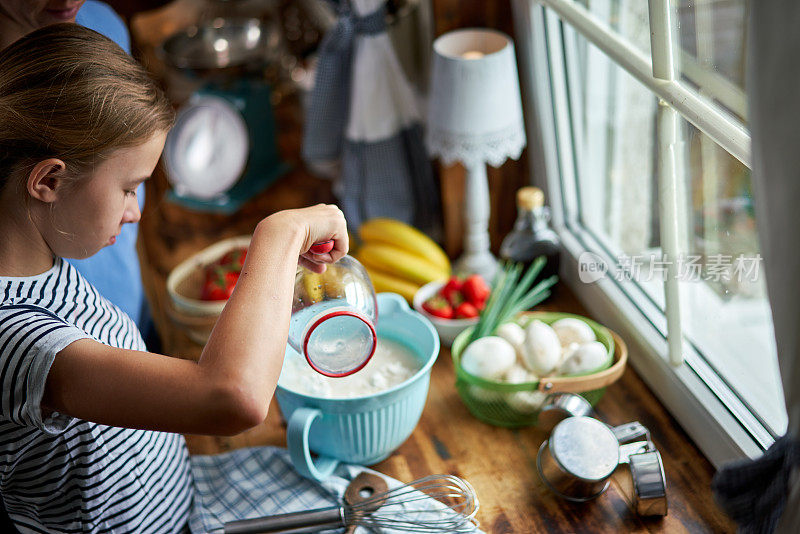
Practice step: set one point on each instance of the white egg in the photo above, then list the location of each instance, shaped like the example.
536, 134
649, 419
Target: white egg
488, 357
542, 349
566, 352
513, 333
526, 402
519, 375
570, 330
586, 357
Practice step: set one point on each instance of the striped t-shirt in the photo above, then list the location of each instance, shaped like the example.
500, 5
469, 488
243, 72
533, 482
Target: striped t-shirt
59, 473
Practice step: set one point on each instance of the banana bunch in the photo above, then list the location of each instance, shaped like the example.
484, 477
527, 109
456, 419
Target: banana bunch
399, 258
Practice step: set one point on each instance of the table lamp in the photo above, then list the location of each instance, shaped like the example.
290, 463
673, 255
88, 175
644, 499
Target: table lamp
475, 117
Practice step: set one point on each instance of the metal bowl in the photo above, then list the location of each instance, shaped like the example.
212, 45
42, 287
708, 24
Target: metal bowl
222, 44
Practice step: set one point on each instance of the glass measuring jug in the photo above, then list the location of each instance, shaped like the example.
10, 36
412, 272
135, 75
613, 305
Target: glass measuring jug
333, 316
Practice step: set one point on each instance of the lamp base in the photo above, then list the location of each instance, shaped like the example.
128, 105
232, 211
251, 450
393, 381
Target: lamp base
482, 263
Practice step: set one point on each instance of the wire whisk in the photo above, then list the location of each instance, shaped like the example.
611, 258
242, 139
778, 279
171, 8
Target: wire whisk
436, 503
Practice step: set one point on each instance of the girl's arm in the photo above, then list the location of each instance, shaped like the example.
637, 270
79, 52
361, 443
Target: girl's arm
229, 389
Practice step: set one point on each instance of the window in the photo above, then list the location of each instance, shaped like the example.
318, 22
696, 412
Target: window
637, 131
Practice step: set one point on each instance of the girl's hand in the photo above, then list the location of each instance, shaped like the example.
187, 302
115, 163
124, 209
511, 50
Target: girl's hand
323, 222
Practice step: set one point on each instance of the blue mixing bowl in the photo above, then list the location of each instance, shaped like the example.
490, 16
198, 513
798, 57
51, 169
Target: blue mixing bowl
362, 430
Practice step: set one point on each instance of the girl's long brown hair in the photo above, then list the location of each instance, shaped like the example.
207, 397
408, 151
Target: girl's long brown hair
68, 92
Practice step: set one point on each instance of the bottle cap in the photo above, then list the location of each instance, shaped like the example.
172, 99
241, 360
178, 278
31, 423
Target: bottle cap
529, 198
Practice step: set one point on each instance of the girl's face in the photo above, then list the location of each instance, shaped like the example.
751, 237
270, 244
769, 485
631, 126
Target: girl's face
89, 214
38, 13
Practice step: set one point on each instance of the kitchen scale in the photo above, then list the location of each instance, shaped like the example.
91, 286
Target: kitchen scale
222, 150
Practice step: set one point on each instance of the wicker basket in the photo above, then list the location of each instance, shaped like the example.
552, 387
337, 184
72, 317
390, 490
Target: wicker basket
516, 405
197, 317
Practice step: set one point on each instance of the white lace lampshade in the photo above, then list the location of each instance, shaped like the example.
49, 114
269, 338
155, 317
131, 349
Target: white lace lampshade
475, 117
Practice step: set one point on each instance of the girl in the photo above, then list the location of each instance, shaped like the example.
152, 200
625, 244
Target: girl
113, 271
89, 421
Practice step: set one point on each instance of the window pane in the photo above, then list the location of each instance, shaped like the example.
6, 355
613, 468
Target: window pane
713, 42
629, 18
614, 120
725, 310
711, 39
714, 33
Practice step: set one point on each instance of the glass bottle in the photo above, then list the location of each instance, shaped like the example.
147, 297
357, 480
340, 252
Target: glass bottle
532, 236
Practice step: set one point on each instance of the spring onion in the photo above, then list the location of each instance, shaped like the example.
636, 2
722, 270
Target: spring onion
512, 295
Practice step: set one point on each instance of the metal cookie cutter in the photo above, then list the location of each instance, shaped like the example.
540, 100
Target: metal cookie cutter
647, 473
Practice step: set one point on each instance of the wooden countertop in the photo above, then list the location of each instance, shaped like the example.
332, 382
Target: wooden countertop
499, 462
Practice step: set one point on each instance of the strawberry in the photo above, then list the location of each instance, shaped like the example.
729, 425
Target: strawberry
234, 259
219, 283
466, 310
438, 307
451, 290
454, 298
475, 290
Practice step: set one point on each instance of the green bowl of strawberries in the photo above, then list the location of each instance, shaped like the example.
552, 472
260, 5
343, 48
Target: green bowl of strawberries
453, 305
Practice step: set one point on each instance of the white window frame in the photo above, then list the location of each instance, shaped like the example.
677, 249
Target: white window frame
719, 421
